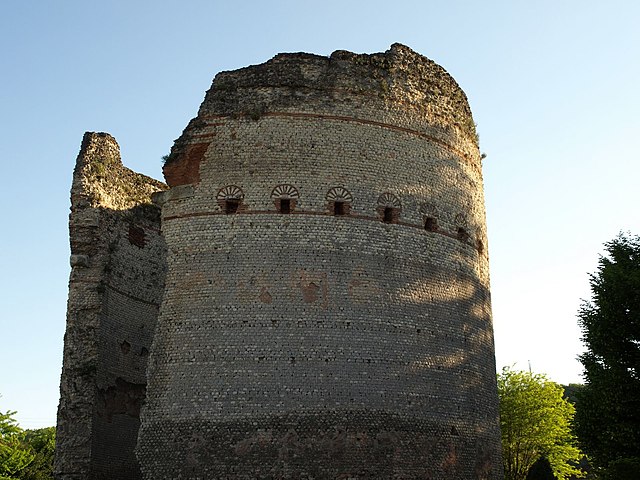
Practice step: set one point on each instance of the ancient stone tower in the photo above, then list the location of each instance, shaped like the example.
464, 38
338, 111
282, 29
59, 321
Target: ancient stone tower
317, 290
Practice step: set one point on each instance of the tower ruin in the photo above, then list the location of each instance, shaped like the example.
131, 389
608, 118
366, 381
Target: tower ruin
317, 294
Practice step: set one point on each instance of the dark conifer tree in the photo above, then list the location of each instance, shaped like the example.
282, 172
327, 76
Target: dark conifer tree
608, 408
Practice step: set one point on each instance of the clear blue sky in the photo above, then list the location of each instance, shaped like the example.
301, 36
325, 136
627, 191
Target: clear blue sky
554, 87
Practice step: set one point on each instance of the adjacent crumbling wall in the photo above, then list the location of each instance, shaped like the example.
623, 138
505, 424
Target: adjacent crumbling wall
115, 288
301, 339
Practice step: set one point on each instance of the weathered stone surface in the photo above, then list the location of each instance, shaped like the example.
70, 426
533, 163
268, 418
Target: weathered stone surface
317, 344
79, 260
326, 308
117, 280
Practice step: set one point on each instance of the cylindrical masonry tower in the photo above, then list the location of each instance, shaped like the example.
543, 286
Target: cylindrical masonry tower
327, 310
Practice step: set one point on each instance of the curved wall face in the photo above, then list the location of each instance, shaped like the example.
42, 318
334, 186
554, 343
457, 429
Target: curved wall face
350, 337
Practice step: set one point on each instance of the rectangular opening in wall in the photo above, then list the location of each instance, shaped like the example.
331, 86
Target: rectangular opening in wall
285, 205
339, 208
231, 206
387, 216
430, 224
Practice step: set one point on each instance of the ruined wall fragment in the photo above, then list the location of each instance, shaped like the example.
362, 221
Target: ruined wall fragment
115, 287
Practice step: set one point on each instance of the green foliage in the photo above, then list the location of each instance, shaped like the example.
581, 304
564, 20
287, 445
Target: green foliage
472, 128
14, 457
608, 407
536, 422
572, 391
42, 442
623, 469
25, 454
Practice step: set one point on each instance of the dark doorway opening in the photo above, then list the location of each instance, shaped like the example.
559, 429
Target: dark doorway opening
285, 205
231, 206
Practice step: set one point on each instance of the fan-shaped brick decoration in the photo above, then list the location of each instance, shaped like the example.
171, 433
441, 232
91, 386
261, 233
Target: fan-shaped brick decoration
339, 194
230, 192
389, 200
285, 191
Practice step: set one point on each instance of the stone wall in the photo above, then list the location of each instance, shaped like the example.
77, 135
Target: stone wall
327, 308
115, 288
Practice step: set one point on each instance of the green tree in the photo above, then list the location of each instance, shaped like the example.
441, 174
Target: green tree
572, 391
14, 457
42, 443
608, 407
536, 422
622, 469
